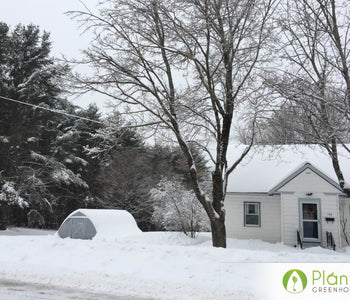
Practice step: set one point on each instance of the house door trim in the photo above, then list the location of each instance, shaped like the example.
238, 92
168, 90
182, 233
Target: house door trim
302, 220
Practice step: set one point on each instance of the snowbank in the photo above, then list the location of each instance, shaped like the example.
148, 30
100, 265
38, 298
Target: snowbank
157, 265
14, 231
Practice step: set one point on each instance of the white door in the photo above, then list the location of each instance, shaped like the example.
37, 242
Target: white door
310, 220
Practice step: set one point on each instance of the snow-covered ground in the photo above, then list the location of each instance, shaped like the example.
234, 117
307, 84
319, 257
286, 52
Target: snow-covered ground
154, 265
13, 231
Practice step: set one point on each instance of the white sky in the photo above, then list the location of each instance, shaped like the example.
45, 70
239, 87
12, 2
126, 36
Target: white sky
65, 35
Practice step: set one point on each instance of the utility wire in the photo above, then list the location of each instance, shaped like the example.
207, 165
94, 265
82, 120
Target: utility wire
51, 110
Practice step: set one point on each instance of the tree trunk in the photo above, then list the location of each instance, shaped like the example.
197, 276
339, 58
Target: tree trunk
336, 166
4, 211
218, 232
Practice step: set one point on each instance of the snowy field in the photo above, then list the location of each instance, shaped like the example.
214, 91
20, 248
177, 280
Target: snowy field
156, 265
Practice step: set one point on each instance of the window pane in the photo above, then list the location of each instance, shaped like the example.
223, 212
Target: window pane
311, 230
252, 208
252, 220
252, 213
309, 211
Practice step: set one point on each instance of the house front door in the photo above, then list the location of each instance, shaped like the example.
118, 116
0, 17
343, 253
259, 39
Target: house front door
310, 220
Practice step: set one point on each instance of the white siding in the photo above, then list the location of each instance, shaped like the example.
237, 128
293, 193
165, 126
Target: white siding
330, 208
308, 181
270, 206
290, 217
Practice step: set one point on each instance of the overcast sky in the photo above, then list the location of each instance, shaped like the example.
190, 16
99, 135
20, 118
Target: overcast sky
49, 15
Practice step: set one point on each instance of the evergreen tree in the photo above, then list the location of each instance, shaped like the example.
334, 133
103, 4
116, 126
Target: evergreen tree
41, 153
29, 75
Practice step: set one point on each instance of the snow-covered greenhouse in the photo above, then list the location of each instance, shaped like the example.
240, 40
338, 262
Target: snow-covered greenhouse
101, 223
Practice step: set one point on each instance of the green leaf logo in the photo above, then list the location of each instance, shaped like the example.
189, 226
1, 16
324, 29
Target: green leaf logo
294, 281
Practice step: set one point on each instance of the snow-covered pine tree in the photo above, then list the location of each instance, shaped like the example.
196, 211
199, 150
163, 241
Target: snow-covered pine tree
40, 151
29, 75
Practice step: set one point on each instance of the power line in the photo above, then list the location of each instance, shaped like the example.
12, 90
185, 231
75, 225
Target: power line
51, 110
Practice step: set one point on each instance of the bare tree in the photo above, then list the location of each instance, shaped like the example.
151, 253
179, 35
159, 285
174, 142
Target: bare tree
313, 83
185, 66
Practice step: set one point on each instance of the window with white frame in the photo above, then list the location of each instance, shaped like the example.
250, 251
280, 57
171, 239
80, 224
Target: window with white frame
252, 214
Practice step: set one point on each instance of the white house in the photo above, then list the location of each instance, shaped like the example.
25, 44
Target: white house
276, 194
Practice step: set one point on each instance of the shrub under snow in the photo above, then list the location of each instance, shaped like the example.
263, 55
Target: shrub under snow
177, 209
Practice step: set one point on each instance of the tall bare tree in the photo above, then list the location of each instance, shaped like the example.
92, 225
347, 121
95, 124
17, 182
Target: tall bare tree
186, 66
313, 82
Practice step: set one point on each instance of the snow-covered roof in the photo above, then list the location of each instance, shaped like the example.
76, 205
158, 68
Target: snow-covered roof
110, 222
265, 167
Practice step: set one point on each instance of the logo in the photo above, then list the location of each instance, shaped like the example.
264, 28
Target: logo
294, 281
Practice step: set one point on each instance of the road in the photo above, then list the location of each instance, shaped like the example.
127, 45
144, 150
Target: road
16, 290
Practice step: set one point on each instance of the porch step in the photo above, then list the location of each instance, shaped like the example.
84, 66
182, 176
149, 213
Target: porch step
310, 244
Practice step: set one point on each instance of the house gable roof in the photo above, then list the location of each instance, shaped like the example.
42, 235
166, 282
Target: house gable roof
298, 171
